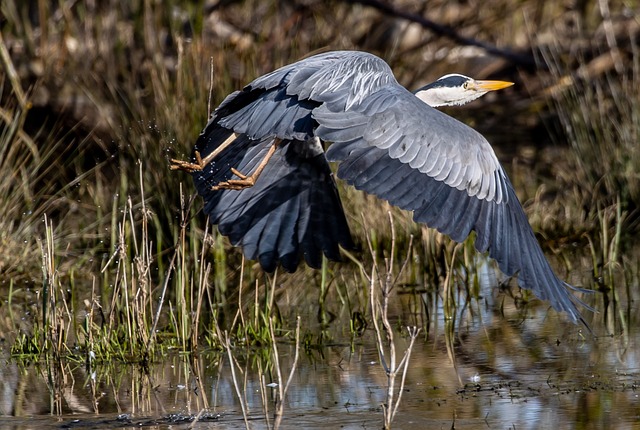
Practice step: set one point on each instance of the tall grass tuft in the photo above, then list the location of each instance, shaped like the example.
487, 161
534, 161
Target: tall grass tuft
599, 112
597, 101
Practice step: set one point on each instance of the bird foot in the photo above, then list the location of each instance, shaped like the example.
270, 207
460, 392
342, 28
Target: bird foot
247, 181
237, 184
188, 166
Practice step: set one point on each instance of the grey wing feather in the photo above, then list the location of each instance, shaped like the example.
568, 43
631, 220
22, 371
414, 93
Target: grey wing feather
339, 78
502, 229
280, 103
418, 135
295, 215
422, 160
294, 210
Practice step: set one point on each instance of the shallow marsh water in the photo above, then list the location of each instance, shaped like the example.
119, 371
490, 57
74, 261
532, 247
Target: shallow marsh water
490, 367
578, 384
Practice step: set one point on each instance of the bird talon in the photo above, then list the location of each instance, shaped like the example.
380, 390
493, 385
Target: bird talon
247, 181
188, 166
238, 174
235, 184
185, 165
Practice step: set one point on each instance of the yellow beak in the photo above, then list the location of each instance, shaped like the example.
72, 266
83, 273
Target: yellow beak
491, 85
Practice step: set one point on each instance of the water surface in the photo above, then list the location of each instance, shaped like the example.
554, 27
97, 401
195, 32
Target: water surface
495, 372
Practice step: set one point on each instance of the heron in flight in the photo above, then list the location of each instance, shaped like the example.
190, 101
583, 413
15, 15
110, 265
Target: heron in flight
261, 168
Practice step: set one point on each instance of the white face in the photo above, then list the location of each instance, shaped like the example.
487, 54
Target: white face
455, 89
447, 95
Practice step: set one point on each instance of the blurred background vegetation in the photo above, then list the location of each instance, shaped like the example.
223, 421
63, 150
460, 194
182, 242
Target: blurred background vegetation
97, 96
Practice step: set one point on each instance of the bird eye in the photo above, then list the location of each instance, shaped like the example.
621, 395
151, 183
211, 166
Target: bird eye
465, 85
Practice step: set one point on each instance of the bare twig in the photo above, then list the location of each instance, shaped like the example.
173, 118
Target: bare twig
263, 395
241, 399
385, 342
165, 287
282, 386
295, 358
404, 365
374, 317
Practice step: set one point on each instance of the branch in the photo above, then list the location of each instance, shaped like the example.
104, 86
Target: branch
450, 33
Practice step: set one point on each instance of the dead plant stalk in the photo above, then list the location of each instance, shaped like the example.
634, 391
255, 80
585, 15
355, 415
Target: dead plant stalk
384, 334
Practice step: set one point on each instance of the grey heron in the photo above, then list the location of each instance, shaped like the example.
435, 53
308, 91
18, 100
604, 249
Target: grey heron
263, 173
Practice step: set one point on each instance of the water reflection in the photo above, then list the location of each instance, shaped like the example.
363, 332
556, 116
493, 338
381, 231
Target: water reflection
522, 373
495, 363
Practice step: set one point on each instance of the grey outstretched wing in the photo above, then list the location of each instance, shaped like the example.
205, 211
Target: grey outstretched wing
293, 211
396, 147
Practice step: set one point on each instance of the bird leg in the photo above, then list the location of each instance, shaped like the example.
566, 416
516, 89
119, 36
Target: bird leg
200, 163
247, 181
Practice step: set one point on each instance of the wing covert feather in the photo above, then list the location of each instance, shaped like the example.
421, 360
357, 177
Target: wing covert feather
396, 120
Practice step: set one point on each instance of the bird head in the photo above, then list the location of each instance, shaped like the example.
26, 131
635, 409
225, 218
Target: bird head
455, 89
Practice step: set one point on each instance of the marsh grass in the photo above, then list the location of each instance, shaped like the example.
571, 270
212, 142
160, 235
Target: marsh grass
601, 118
597, 102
